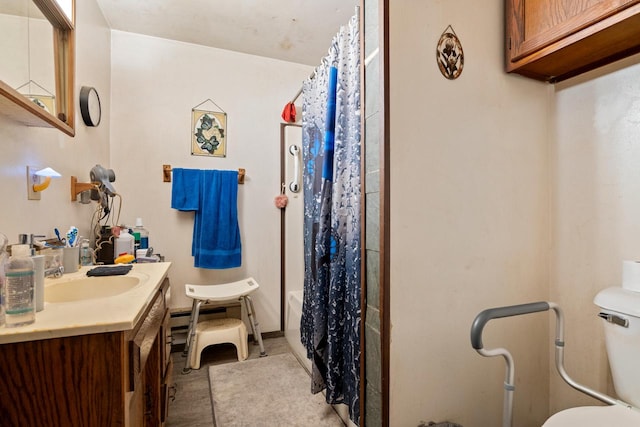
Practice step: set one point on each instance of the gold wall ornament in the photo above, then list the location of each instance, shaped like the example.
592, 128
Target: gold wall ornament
449, 54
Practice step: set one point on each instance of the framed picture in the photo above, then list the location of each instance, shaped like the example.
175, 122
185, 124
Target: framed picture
449, 54
208, 133
45, 102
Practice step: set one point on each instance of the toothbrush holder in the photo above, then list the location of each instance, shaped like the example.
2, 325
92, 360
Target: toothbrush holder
71, 259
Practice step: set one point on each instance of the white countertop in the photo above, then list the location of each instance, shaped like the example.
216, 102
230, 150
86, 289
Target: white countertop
96, 315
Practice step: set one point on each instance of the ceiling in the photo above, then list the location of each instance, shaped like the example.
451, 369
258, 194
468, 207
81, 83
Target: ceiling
290, 30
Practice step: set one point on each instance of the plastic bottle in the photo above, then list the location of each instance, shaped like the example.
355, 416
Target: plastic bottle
86, 257
124, 244
20, 303
144, 234
3, 261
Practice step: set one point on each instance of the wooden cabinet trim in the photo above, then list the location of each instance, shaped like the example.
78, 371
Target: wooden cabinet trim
142, 343
607, 40
587, 23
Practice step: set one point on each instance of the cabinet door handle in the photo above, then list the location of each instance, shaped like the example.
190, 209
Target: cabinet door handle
172, 392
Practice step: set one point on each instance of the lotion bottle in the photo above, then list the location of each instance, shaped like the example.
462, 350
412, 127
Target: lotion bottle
124, 244
143, 233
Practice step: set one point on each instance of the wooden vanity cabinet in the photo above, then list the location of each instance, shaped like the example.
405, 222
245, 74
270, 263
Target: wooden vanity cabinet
553, 40
103, 379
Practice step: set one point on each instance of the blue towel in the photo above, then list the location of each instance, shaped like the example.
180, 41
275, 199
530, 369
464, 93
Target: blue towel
185, 190
216, 234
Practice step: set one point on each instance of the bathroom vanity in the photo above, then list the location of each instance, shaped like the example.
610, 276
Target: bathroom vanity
94, 359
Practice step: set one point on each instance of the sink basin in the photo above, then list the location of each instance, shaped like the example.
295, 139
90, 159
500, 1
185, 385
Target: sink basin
89, 288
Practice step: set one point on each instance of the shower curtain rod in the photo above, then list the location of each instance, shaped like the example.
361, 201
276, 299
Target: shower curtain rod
297, 95
313, 74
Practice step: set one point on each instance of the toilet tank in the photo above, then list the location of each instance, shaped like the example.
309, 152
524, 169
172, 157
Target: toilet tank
620, 311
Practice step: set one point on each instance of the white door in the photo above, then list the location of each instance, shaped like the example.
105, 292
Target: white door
294, 212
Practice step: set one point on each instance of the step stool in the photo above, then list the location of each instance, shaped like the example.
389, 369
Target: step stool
219, 331
236, 291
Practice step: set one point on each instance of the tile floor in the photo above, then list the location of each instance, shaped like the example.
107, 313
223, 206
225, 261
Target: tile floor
192, 404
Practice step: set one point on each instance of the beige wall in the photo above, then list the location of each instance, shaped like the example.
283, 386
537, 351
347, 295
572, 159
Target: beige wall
155, 83
469, 220
23, 146
503, 191
595, 162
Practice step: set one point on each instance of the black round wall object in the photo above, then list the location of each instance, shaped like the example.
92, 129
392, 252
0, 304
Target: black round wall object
90, 106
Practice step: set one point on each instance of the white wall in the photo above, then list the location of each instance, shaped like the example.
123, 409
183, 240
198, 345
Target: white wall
469, 219
595, 210
155, 83
23, 146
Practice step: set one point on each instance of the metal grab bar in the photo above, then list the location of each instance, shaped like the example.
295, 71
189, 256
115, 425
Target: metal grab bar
509, 386
294, 185
499, 312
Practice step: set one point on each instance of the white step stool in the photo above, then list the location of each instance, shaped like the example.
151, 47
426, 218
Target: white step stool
209, 332
219, 331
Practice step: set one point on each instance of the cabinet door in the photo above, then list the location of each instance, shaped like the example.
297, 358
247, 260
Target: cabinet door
168, 391
556, 39
153, 387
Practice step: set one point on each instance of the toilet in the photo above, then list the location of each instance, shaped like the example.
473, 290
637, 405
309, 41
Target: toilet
620, 313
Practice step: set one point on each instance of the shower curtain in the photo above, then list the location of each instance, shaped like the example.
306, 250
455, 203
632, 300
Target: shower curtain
330, 324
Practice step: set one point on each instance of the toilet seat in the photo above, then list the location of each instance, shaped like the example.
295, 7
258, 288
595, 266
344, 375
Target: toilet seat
595, 416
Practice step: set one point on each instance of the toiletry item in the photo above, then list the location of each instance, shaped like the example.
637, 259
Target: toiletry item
38, 264
61, 241
86, 253
143, 233
123, 244
52, 257
71, 259
124, 259
72, 237
3, 261
104, 246
20, 288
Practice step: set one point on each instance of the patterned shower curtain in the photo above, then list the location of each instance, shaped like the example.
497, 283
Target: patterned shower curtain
330, 325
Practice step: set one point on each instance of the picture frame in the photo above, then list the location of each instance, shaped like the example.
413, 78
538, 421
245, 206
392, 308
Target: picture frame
47, 103
208, 133
449, 54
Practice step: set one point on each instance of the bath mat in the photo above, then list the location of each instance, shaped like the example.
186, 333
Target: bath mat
266, 392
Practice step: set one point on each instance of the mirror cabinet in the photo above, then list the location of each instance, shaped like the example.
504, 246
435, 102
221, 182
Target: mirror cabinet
37, 78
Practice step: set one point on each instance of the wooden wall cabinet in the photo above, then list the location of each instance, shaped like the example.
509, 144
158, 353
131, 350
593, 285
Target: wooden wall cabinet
103, 379
552, 40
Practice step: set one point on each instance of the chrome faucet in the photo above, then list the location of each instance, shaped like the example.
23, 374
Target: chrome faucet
54, 272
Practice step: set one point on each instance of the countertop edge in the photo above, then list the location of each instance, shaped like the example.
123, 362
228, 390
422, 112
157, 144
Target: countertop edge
122, 321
